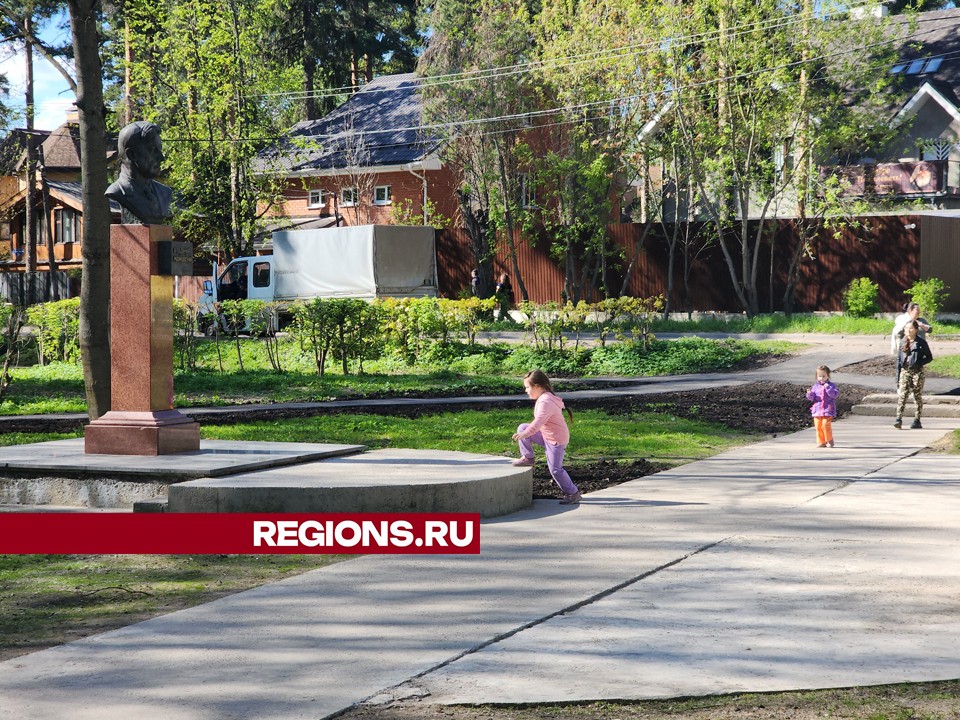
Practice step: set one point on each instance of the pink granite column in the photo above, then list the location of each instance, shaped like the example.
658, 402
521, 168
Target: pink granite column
142, 420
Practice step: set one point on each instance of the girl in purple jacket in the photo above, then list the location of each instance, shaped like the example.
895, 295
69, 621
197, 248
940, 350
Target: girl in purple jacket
823, 395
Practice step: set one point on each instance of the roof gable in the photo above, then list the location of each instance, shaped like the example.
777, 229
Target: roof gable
927, 92
61, 149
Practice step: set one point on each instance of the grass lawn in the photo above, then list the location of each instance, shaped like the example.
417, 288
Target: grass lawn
596, 434
58, 387
51, 599
797, 323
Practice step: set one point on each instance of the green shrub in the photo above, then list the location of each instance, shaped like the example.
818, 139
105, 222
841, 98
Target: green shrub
686, 355
58, 330
552, 362
860, 298
930, 295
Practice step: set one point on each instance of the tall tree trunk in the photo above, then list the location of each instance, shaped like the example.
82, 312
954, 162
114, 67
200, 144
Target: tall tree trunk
53, 288
30, 229
127, 74
95, 288
508, 220
308, 61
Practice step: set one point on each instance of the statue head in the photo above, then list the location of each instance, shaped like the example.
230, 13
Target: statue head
143, 200
138, 146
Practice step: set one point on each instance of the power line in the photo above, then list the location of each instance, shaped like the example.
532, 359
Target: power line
498, 72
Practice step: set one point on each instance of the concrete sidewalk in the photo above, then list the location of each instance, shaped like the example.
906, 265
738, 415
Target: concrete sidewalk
778, 565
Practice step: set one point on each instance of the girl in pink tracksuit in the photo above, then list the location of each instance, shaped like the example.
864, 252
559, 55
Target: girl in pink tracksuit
549, 430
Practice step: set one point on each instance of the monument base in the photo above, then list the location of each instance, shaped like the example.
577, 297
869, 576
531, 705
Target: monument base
141, 433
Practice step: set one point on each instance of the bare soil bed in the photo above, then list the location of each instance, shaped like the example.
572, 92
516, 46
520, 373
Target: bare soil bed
761, 408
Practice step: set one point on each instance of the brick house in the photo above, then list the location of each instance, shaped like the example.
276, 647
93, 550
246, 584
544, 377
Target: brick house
367, 162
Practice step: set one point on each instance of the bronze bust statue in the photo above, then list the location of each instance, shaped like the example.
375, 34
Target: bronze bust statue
143, 199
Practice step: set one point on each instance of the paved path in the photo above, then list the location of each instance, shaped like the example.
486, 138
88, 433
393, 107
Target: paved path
774, 566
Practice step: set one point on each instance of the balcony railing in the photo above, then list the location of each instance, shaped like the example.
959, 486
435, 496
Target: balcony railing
899, 179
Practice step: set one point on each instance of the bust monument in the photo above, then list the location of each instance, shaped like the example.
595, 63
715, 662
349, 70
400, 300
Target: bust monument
143, 199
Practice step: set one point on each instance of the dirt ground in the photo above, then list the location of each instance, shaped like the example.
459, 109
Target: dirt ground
762, 408
917, 701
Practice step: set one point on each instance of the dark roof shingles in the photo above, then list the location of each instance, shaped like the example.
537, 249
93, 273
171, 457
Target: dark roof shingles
378, 126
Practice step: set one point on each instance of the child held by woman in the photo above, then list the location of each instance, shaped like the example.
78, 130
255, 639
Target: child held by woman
549, 430
823, 395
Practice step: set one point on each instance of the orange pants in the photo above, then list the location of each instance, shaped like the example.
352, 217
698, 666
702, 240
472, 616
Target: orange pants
824, 426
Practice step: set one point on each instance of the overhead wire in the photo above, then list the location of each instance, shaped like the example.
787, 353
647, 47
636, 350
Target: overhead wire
605, 103
497, 72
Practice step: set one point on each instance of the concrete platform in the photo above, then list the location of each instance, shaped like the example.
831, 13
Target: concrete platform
233, 476
215, 458
394, 480
59, 473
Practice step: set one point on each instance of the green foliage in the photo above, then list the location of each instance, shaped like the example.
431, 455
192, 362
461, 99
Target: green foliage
677, 357
408, 212
349, 329
12, 319
553, 361
262, 318
185, 330
199, 71
860, 298
930, 295
57, 330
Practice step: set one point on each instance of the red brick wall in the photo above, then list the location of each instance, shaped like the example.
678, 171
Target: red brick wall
406, 191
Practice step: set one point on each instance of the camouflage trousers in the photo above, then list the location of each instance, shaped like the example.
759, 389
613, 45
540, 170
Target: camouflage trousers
911, 381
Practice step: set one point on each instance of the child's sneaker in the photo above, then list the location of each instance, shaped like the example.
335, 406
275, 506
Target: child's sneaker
571, 499
898, 423
916, 425
523, 462
830, 444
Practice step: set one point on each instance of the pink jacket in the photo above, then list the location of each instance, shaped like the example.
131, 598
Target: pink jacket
548, 419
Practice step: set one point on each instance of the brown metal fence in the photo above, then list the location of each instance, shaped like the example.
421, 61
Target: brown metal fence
885, 249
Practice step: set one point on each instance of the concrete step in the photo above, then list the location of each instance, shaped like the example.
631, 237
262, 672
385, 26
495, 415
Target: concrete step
891, 399
929, 410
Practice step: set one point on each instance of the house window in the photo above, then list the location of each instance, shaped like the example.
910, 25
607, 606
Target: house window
348, 197
316, 198
920, 66
382, 195
64, 220
916, 66
528, 193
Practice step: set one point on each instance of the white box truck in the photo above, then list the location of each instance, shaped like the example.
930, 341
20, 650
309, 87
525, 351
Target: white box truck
366, 261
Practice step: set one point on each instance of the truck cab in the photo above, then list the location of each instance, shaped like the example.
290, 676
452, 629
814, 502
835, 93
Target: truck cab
244, 278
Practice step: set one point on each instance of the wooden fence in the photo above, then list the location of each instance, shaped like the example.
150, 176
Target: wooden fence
884, 248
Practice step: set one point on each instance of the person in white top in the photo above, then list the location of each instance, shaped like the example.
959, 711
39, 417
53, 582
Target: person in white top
911, 312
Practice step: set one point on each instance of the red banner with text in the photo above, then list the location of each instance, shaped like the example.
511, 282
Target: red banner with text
239, 533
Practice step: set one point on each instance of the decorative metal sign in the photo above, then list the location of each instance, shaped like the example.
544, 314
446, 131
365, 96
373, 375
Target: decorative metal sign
174, 257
